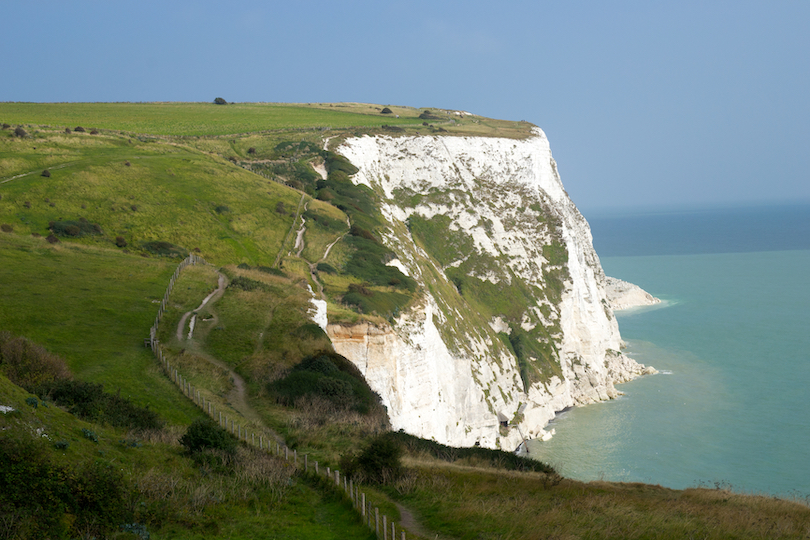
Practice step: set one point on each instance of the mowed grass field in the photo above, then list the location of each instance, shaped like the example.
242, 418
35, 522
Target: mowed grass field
195, 119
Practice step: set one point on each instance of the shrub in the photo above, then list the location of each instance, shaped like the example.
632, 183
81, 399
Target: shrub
159, 247
221, 209
379, 462
327, 375
39, 499
251, 150
120, 241
79, 129
273, 271
243, 266
52, 239
386, 110
280, 208
81, 227
247, 284
89, 402
204, 434
127, 163
94, 132
6, 126
20, 132
46, 173
327, 268
27, 204
68, 130
220, 101
28, 364
134, 207
5, 227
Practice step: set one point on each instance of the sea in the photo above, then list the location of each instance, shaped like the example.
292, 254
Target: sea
730, 406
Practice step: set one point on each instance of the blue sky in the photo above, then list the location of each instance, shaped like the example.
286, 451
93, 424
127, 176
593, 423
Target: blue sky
647, 104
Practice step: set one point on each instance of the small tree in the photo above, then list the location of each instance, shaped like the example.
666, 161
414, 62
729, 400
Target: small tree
20, 132
386, 110
79, 129
220, 101
46, 173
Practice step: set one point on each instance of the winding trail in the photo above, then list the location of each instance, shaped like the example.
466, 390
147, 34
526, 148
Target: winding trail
237, 396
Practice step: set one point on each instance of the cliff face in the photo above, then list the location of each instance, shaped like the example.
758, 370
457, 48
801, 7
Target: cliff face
513, 322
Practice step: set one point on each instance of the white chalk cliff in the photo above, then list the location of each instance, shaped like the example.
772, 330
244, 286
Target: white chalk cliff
445, 368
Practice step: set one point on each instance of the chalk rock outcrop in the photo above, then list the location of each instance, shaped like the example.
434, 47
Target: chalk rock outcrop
513, 322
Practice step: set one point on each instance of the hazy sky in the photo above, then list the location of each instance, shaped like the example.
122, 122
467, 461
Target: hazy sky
646, 104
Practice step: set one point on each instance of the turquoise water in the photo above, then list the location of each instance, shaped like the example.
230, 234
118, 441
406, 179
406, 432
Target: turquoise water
732, 341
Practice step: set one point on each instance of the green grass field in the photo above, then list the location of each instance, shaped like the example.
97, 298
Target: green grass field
194, 119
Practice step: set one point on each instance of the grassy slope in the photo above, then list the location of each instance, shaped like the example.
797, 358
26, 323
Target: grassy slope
93, 303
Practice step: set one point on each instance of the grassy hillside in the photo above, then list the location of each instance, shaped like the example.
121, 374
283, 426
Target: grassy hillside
86, 253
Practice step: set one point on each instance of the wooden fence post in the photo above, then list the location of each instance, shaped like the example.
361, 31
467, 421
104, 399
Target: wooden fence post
385, 527
337, 478
363, 505
306, 462
377, 520
316, 467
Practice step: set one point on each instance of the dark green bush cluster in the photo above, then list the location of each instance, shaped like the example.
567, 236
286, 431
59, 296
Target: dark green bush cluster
5, 227
81, 227
39, 499
28, 364
221, 209
205, 434
495, 458
326, 268
220, 101
247, 284
379, 462
427, 115
326, 375
335, 162
89, 402
270, 270
164, 249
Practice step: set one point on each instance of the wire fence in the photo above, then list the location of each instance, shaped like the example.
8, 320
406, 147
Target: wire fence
369, 514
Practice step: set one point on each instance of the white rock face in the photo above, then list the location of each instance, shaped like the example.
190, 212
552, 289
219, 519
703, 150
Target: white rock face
441, 370
623, 295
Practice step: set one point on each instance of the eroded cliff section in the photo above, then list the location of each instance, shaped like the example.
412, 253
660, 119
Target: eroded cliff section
512, 322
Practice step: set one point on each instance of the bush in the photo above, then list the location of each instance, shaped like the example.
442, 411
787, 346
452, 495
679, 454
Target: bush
204, 434
120, 241
27, 204
247, 284
386, 110
79, 129
220, 101
379, 462
251, 150
81, 227
68, 130
328, 375
327, 268
273, 271
89, 402
20, 132
159, 247
52, 239
94, 132
6, 126
46, 173
40, 499
28, 364
5, 227
221, 209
